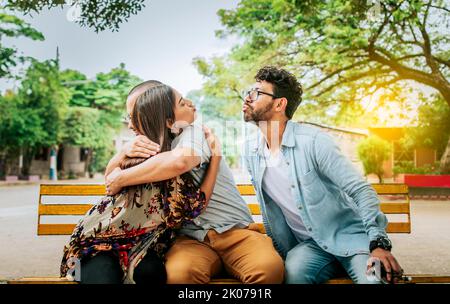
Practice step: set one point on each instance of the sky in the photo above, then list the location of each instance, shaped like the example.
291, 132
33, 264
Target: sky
157, 43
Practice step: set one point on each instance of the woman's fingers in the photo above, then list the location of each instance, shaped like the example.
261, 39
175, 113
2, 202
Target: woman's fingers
142, 151
137, 154
141, 146
143, 142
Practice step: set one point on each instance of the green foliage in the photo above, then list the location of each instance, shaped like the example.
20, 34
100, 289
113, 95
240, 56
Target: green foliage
107, 92
99, 15
100, 158
433, 125
34, 116
372, 152
219, 115
13, 27
81, 127
53, 108
19, 126
96, 108
342, 51
407, 167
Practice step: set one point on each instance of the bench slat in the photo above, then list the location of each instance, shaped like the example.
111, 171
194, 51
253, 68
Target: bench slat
67, 229
76, 190
55, 229
67, 209
42, 280
254, 209
398, 227
95, 189
81, 209
391, 188
415, 279
386, 207
246, 190
395, 208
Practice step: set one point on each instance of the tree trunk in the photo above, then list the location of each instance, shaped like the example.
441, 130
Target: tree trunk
28, 155
445, 160
3, 165
380, 178
89, 159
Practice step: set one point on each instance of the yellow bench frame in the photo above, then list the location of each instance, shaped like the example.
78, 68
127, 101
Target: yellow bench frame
388, 207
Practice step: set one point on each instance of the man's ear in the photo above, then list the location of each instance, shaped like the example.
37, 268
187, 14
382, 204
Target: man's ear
281, 104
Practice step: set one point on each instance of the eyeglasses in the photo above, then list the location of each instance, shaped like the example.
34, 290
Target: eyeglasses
253, 94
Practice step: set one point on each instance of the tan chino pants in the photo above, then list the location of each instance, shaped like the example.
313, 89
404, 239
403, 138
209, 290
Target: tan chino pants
246, 254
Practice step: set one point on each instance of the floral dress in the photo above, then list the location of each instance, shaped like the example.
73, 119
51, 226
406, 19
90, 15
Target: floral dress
133, 221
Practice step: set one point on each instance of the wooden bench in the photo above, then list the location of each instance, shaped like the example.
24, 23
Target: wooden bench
389, 193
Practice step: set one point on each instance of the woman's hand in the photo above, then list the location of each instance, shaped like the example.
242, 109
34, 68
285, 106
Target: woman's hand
207, 186
141, 146
113, 183
213, 142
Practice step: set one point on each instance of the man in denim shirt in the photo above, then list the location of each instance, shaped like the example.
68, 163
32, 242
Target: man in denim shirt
322, 216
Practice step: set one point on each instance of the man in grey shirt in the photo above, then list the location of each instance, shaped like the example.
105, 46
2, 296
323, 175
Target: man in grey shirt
224, 236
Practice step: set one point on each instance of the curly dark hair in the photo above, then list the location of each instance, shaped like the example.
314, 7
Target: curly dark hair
284, 84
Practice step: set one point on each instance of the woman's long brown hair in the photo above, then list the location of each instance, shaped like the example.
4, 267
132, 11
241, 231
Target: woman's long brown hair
152, 110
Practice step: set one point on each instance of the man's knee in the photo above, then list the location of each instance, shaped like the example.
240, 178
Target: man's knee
185, 272
298, 272
268, 271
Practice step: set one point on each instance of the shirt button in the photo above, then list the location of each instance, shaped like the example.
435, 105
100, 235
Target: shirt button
300, 207
325, 247
287, 163
310, 229
292, 186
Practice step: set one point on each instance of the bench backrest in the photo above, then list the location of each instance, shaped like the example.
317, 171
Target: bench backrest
51, 205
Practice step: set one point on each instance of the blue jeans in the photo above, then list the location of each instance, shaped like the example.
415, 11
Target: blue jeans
307, 263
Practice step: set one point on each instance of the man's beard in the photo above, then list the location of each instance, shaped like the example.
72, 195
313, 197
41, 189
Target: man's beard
259, 115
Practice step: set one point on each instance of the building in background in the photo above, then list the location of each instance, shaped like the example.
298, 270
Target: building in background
420, 156
347, 139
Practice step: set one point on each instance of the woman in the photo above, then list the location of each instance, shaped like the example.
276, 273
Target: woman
123, 237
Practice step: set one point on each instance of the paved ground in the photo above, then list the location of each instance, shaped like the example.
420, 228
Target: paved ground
23, 253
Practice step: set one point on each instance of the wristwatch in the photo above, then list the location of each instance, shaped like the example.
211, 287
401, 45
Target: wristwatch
380, 242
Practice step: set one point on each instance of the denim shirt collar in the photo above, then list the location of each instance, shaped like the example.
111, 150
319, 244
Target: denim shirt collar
288, 139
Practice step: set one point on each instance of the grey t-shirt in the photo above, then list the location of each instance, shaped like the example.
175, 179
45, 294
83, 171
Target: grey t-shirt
226, 208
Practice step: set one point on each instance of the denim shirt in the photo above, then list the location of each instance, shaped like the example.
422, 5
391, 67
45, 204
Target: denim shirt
338, 207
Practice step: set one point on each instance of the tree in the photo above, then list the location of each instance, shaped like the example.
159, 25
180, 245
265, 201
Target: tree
341, 50
97, 14
13, 27
218, 114
41, 95
433, 125
106, 92
96, 108
20, 127
32, 118
81, 129
372, 152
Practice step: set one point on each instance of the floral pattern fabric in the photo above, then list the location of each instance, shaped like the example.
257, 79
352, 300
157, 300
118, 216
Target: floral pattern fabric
138, 219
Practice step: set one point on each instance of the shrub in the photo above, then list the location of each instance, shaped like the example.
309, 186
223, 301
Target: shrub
372, 152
